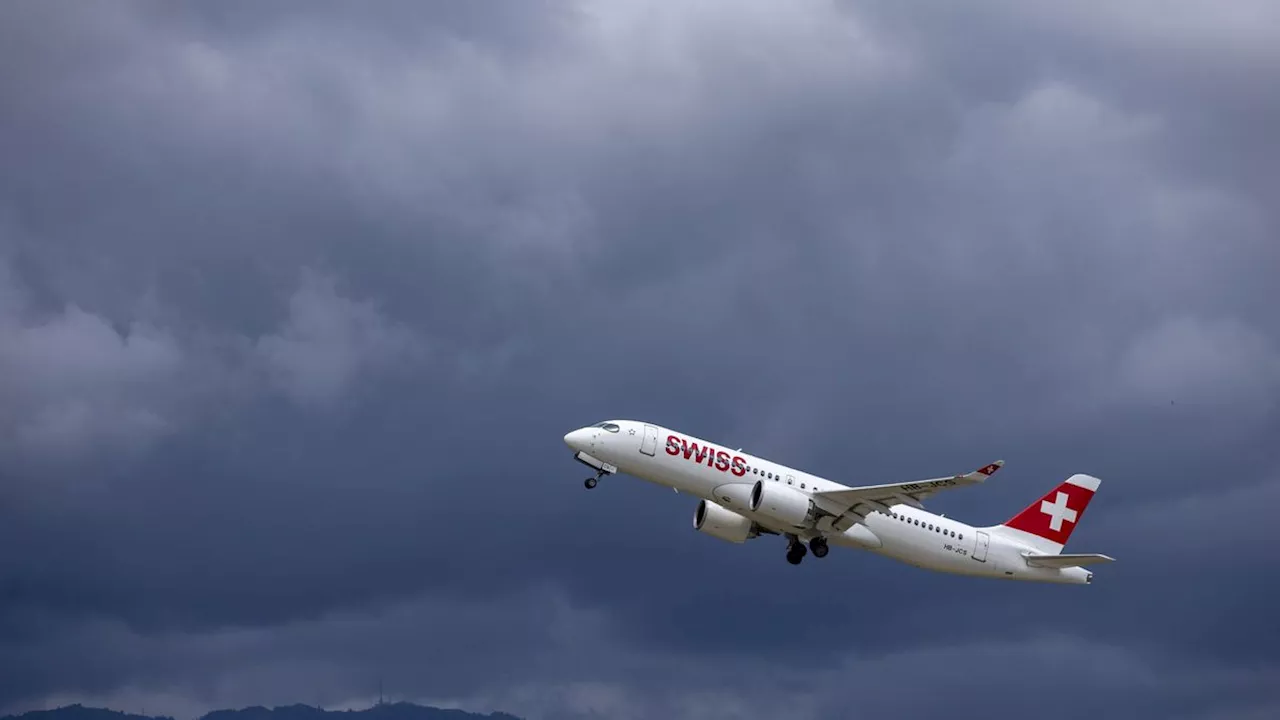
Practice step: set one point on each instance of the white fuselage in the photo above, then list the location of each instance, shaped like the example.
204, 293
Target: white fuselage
905, 533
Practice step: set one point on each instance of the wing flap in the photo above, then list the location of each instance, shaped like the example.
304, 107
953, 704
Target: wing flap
1066, 560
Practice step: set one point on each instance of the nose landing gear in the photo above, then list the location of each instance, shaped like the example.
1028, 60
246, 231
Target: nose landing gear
600, 467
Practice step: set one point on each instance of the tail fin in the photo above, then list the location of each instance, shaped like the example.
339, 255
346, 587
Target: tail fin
1047, 523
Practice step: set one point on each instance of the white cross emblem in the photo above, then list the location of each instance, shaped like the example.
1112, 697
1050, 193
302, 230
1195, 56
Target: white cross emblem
1058, 511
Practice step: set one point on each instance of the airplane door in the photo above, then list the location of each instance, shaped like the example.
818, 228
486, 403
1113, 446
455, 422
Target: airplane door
980, 549
649, 443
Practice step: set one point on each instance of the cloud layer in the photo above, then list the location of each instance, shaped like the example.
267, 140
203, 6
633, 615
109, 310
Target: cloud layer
296, 304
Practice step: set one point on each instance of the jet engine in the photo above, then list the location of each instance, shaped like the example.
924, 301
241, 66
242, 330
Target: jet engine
781, 502
722, 523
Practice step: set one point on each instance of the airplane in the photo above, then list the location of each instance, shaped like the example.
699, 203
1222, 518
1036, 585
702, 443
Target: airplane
743, 496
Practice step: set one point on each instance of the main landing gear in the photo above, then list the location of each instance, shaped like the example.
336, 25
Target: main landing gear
591, 482
796, 549
819, 547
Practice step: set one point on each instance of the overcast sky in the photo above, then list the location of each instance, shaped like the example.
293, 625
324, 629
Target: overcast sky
297, 301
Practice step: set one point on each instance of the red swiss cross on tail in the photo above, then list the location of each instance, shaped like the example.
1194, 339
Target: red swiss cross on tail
1050, 520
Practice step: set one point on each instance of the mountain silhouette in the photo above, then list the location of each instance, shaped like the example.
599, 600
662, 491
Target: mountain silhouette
382, 711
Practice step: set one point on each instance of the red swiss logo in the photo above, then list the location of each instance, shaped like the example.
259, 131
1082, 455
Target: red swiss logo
706, 455
1055, 515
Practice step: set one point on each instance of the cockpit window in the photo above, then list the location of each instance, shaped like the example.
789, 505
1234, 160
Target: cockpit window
610, 427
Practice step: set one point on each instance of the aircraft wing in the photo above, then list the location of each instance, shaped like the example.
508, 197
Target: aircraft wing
852, 505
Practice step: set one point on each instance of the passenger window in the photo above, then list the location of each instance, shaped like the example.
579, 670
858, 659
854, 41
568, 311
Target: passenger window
801, 486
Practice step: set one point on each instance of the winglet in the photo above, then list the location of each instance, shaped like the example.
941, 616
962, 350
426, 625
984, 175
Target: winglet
991, 469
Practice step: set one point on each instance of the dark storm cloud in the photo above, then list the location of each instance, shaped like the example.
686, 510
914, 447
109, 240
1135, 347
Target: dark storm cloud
296, 304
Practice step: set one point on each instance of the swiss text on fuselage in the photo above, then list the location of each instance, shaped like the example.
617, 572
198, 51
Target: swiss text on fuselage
706, 455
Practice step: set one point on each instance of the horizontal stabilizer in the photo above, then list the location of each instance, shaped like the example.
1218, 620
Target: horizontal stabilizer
1066, 560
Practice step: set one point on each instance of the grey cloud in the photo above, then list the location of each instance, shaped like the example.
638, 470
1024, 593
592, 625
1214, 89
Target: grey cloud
1196, 28
1191, 359
575, 668
869, 241
71, 380
76, 380
328, 341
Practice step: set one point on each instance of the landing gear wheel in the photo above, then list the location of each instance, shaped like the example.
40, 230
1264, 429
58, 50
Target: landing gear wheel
819, 547
795, 553
591, 482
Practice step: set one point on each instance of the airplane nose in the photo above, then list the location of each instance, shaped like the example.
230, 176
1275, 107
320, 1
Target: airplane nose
577, 439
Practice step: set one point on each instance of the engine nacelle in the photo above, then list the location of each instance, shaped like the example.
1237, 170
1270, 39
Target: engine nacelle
722, 523
782, 503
